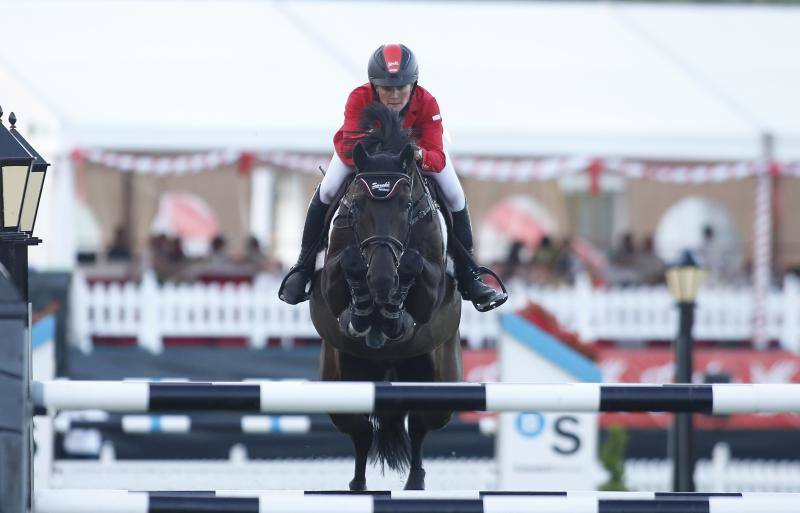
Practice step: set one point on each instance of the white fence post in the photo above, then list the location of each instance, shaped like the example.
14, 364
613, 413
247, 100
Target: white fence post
149, 303
258, 313
584, 305
790, 329
80, 310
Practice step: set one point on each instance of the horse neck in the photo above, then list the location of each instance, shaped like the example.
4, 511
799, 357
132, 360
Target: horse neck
427, 231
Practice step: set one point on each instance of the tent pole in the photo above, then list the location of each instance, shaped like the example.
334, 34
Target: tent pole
762, 244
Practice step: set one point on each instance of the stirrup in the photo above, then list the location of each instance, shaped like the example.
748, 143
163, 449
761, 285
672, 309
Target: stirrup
498, 299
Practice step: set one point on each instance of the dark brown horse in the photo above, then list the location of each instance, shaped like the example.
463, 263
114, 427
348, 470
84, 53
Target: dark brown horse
383, 303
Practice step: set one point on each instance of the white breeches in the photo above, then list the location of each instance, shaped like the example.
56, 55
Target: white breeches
447, 179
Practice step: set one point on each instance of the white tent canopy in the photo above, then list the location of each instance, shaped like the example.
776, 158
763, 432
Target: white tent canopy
517, 79
659, 82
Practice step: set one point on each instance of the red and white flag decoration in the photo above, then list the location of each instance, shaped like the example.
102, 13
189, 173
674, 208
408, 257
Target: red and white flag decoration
147, 164
486, 169
308, 163
791, 169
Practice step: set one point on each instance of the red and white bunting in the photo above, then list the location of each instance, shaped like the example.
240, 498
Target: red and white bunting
685, 174
791, 169
304, 162
485, 169
519, 170
146, 164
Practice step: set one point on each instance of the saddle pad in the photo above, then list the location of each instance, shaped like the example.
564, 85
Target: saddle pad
382, 187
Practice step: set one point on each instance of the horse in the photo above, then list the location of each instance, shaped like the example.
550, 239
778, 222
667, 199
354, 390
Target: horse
383, 303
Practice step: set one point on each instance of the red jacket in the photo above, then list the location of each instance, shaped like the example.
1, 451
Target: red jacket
421, 116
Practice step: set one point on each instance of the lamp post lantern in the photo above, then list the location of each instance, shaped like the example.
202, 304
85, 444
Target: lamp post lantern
34, 186
684, 280
22, 173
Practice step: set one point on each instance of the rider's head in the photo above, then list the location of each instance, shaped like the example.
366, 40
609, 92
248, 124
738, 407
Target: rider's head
393, 72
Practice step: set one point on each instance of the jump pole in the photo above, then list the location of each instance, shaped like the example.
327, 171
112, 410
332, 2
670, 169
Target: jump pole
367, 397
88, 501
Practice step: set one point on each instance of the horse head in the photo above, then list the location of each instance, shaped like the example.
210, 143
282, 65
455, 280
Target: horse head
381, 199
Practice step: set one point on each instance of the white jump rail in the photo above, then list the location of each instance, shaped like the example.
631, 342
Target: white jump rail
366, 397
149, 312
92, 501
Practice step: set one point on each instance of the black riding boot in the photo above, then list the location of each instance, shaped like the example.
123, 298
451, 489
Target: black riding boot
295, 286
468, 272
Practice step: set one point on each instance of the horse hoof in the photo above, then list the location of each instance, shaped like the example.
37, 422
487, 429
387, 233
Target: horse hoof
375, 339
416, 479
358, 485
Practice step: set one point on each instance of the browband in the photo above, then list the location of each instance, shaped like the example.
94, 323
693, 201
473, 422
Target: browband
382, 186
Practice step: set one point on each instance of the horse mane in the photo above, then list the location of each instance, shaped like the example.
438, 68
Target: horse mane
384, 130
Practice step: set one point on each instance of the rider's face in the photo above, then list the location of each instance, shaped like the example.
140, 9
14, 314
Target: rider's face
394, 97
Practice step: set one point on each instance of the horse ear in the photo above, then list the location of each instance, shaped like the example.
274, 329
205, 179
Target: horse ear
360, 157
407, 156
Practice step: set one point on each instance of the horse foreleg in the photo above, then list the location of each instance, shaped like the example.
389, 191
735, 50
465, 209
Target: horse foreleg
397, 322
357, 320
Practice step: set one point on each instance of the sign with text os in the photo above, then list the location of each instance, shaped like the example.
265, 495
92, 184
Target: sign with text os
547, 451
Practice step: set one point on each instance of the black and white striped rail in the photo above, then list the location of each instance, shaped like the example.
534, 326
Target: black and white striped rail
221, 422
181, 424
353, 397
90, 501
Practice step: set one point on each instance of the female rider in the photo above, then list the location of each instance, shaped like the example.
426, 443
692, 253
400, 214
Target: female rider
393, 74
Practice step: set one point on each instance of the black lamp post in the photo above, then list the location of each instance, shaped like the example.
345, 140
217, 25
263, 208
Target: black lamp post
684, 281
22, 173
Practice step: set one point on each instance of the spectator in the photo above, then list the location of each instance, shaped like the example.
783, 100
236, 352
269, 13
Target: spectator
625, 255
567, 264
649, 266
546, 254
218, 254
545, 262
511, 265
622, 270
119, 251
174, 248
716, 258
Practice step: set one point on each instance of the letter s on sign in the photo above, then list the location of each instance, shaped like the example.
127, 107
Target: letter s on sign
560, 428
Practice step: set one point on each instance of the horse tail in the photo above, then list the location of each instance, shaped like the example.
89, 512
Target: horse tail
391, 442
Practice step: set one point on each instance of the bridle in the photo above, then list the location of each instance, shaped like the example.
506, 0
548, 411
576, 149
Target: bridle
413, 212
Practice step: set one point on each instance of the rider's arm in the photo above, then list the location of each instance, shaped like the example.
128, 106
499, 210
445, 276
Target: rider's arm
349, 134
429, 125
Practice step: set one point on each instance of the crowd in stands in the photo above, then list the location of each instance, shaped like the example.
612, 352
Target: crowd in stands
552, 263
166, 256
558, 263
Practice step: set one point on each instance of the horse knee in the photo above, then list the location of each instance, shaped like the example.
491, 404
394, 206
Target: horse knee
353, 263
410, 265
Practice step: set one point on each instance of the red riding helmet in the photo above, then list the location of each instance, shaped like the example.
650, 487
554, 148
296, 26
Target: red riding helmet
393, 65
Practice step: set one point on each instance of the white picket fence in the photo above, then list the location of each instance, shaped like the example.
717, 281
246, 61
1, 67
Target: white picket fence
149, 312
721, 473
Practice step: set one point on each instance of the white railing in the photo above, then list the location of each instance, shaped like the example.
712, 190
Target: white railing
150, 312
